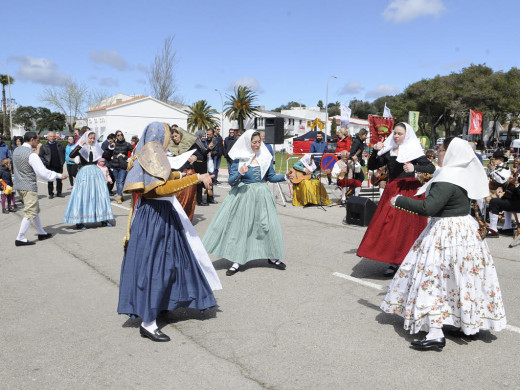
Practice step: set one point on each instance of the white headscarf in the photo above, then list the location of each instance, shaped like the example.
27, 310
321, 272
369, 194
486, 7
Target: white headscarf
96, 150
409, 150
242, 151
461, 167
308, 162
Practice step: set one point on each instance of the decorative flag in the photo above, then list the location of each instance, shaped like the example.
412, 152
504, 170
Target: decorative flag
345, 115
380, 128
413, 120
475, 122
387, 113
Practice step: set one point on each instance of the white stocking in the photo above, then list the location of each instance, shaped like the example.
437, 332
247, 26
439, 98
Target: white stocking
507, 220
493, 221
381, 191
343, 192
38, 224
150, 326
24, 226
434, 333
357, 191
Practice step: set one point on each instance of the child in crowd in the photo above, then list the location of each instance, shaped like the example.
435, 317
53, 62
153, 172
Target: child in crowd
102, 165
7, 181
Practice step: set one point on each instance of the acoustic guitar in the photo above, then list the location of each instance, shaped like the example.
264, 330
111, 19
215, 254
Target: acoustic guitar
299, 176
379, 175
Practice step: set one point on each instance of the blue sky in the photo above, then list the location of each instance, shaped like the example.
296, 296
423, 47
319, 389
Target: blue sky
284, 50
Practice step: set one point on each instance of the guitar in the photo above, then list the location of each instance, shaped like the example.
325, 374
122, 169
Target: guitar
380, 174
299, 176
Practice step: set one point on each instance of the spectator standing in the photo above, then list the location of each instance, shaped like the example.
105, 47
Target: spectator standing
229, 141
53, 157
5, 175
133, 143
107, 146
318, 147
217, 152
357, 148
17, 141
202, 152
72, 167
119, 162
4, 149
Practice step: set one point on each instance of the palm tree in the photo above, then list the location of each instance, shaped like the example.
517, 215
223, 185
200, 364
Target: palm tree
201, 116
240, 106
4, 80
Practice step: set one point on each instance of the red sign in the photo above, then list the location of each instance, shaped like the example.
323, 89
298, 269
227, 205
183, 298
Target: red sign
475, 122
380, 128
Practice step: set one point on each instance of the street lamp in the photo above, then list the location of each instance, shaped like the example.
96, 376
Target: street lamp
10, 102
221, 111
327, 106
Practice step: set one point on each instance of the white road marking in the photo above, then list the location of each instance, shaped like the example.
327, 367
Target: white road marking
121, 207
359, 281
511, 328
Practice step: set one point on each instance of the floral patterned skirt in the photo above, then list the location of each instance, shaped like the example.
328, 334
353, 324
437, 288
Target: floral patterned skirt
447, 278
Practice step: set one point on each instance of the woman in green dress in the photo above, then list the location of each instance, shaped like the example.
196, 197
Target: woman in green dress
246, 226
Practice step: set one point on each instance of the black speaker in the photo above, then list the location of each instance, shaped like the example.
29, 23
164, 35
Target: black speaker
360, 210
274, 130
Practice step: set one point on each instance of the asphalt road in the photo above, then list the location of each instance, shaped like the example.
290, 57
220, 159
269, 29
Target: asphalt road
316, 325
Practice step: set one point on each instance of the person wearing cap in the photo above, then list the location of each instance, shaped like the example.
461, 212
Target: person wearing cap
507, 192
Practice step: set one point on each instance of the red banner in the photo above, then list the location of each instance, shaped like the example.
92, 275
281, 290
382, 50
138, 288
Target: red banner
380, 128
475, 122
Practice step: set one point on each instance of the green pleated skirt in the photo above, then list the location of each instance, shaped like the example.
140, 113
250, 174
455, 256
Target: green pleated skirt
246, 226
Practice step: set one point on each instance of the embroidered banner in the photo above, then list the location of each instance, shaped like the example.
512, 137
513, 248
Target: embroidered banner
380, 128
475, 122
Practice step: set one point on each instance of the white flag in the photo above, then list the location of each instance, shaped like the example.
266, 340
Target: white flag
387, 113
345, 115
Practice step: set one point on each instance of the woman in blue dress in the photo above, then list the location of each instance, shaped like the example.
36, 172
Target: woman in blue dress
165, 265
89, 201
246, 226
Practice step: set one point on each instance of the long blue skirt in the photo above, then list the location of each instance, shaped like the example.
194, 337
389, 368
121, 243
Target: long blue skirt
159, 270
90, 199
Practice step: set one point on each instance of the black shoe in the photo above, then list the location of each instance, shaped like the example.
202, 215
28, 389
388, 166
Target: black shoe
202, 204
5, 211
60, 195
46, 236
504, 232
277, 263
428, 344
51, 196
12, 209
156, 335
80, 226
23, 243
232, 271
212, 201
391, 270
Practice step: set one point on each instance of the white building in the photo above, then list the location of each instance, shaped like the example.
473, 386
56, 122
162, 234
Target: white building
134, 114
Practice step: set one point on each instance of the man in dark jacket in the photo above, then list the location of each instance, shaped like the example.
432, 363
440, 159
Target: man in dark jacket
213, 136
202, 152
118, 162
107, 146
318, 147
52, 155
228, 144
357, 148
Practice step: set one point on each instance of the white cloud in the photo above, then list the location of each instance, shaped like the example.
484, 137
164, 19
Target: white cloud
142, 68
247, 81
400, 11
351, 88
200, 86
456, 64
381, 90
110, 58
108, 82
39, 70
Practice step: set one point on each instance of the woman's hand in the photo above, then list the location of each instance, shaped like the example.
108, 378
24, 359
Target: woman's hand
192, 159
289, 175
392, 201
243, 169
408, 167
205, 178
378, 146
82, 142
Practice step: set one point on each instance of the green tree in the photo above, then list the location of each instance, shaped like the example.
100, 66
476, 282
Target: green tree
240, 106
5, 80
334, 109
320, 104
201, 116
26, 116
361, 109
333, 128
288, 106
50, 121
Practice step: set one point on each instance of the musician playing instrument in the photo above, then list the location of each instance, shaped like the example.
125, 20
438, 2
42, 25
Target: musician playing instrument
392, 232
344, 172
308, 191
507, 194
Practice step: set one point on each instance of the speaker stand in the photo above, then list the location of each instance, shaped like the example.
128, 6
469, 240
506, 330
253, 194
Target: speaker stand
282, 195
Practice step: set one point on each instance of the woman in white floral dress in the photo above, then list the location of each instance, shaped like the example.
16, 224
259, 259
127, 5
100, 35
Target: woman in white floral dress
448, 277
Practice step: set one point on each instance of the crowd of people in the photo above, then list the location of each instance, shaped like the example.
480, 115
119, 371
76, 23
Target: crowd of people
442, 269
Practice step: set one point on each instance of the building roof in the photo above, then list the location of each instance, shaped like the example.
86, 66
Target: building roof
136, 98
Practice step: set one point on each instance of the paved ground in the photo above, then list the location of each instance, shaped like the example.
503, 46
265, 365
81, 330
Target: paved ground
304, 328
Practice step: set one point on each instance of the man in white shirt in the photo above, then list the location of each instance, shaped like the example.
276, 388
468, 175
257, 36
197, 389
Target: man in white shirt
27, 165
